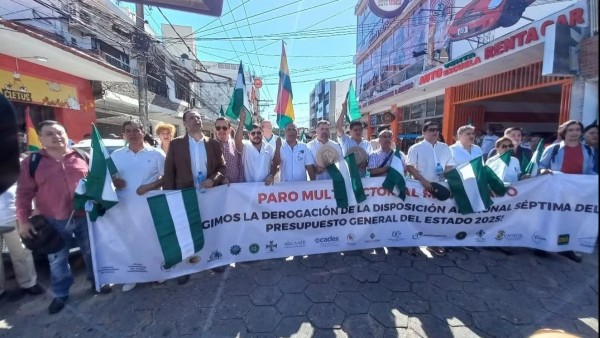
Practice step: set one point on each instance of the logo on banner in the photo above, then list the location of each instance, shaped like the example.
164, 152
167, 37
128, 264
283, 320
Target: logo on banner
396, 236
461, 235
254, 248
538, 238
480, 236
235, 250
294, 244
502, 235
372, 238
351, 239
563, 239
327, 241
215, 255
271, 246
422, 234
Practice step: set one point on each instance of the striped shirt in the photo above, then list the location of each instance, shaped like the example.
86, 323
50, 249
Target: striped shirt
377, 157
233, 161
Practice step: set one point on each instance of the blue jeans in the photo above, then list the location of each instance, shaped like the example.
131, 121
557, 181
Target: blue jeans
60, 270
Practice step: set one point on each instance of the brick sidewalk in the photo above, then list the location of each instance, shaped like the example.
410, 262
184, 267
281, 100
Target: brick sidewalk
483, 293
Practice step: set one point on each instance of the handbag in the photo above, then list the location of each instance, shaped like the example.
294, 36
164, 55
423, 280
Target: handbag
46, 240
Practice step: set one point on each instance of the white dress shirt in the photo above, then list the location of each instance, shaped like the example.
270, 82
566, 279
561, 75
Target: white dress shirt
257, 164
198, 158
425, 156
462, 155
294, 161
347, 142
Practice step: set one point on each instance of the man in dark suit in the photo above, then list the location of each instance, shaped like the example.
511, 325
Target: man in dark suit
193, 160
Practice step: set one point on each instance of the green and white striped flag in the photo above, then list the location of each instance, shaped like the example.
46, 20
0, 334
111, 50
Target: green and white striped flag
347, 185
178, 224
96, 193
470, 183
499, 164
239, 99
395, 176
532, 167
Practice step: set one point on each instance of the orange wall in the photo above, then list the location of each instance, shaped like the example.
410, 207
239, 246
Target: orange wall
77, 122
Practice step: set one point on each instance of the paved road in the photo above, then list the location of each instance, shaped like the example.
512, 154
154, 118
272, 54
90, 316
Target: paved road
358, 294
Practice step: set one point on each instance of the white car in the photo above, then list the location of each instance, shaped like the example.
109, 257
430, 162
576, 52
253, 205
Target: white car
110, 144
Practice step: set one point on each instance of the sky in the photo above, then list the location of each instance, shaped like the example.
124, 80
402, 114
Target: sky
320, 37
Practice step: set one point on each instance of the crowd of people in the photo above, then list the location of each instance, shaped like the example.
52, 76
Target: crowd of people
195, 160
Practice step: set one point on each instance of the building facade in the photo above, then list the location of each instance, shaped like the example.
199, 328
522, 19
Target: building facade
326, 103
435, 60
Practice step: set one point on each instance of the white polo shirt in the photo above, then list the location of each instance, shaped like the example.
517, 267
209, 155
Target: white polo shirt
314, 146
294, 161
424, 156
257, 164
461, 155
347, 142
140, 168
198, 158
272, 141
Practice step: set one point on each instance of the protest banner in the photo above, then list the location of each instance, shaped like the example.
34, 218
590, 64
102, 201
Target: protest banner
250, 221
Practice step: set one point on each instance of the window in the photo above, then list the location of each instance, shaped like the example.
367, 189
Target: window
417, 110
439, 105
406, 113
430, 110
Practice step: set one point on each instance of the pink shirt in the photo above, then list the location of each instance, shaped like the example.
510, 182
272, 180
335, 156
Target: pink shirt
53, 187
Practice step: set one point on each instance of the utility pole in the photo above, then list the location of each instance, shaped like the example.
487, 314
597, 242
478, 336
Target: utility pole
141, 47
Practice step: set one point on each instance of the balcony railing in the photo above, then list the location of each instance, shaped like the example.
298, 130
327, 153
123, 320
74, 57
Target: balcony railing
115, 62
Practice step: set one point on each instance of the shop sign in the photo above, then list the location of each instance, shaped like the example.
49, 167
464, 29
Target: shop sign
24, 88
532, 34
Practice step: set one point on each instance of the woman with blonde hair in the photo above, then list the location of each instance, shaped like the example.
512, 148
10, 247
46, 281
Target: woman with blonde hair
165, 132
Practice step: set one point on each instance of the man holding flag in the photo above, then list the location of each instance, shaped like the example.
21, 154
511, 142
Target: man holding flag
52, 185
356, 129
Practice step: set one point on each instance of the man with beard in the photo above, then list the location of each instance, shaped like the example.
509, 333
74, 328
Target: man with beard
355, 139
296, 159
259, 158
322, 130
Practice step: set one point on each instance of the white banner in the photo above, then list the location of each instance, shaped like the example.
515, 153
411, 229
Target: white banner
249, 221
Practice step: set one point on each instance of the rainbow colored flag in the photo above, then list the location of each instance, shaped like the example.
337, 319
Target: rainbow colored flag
284, 107
33, 141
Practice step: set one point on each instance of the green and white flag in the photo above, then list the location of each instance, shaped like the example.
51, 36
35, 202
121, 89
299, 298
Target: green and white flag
395, 176
96, 193
178, 224
353, 112
532, 168
347, 185
303, 137
239, 99
471, 183
499, 164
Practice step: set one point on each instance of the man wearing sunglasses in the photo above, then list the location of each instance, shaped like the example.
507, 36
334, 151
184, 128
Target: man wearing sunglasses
233, 159
259, 159
522, 154
427, 162
193, 160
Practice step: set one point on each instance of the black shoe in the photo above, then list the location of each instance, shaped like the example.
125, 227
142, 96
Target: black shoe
183, 279
57, 305
35, 290
572, 255
219, 269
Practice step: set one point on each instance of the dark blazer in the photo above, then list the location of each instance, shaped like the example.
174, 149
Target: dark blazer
178, 164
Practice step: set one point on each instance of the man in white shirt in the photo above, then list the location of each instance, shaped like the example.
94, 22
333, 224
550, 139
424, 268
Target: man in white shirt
427, 162
464, 150
322, 130
140, 167
488, 142
267, 133
355, 139
296, 160
259, 158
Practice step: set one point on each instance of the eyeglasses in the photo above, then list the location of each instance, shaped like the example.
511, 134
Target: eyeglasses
221, 128
504, 146
433, 130
256, 133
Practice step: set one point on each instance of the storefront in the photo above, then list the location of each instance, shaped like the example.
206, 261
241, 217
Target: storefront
51, 80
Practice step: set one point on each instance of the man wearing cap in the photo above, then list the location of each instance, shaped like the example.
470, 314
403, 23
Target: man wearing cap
355, 139
296, 160
381, 159
193, 160
524, 155
140, 167
322, 139
427, 162
259, 158
52, 186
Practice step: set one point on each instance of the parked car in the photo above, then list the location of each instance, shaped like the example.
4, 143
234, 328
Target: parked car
110, 144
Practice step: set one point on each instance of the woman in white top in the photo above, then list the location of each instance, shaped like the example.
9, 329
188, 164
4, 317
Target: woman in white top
512, 172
